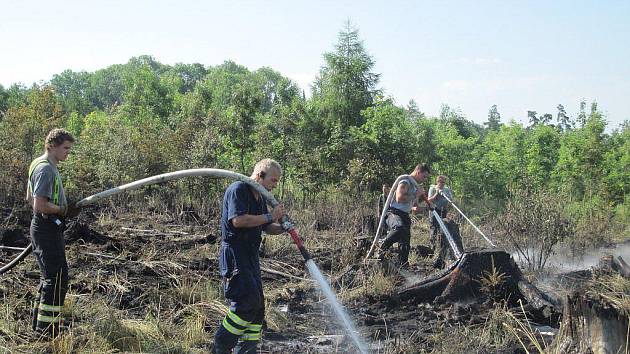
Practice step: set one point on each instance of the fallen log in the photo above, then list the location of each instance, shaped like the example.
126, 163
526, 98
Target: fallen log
155, 232
539, 304
612, 264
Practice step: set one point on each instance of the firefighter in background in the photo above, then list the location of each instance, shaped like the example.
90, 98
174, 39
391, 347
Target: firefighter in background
439, 243
46, 195
397, 218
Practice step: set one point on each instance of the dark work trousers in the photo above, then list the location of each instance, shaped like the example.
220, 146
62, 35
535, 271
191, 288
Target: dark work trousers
50, 253
399, 225
241, 329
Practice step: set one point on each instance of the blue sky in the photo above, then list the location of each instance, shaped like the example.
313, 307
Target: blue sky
525, 55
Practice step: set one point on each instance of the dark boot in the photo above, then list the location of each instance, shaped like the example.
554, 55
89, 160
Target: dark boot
246, 347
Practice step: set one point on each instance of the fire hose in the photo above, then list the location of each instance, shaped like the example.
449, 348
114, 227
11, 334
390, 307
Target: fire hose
456, 250
467, 219
286, 223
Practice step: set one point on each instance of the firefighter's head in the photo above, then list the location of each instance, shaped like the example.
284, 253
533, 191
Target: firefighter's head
59, 143
440, 181
421, 172
267, 172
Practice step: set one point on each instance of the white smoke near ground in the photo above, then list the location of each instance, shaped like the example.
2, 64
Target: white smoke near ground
556, 278
562, 261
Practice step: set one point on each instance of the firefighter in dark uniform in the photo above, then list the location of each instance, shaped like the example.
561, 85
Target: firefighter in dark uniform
46, 195
244, 217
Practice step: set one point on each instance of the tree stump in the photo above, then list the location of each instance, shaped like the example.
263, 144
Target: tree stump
464, 279
589, 326
590, 322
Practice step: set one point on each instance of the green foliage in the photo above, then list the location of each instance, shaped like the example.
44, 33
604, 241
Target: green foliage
542, 146
381, 145
346, 84
4, 101
73, 89
617, 164
22, 130
454, 154
345, 87
143, 118
494, 118
111, 152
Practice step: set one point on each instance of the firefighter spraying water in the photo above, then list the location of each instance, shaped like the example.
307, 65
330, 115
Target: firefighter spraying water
285, 223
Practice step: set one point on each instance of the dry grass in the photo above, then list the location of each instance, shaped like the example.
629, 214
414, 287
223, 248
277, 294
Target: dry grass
374, 284
190, 291
614, 289
503, 329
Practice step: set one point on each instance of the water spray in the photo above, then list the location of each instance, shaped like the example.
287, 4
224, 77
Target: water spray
287, 225
458, 252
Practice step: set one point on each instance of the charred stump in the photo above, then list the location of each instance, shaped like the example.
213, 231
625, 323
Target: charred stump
591, 326
591, 322
468, 278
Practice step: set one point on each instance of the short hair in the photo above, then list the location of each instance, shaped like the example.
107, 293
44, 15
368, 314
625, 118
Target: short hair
265, 165
437, 179
57, 137
423, 167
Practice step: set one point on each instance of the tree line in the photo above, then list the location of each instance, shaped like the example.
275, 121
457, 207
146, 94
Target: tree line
144, 118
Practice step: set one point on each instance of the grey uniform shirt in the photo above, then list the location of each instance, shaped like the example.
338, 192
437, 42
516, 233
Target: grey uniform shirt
43, 181
412, 187
440, 202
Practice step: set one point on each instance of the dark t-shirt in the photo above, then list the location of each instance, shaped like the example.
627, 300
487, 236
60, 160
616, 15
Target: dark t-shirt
239, 200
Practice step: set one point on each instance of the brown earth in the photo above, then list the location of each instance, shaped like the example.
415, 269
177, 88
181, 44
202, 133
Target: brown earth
163, 269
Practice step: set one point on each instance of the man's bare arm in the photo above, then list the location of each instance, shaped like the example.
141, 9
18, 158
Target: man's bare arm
401, 193
247, 220
44, 206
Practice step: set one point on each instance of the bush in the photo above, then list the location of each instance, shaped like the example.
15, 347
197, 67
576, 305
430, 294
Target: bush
533, 223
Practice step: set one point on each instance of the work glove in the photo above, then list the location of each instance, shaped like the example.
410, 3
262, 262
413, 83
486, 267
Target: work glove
71, 210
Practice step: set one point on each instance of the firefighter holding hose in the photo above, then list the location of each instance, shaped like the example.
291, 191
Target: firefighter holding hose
398, 221
47, 197
439, 195
243, 219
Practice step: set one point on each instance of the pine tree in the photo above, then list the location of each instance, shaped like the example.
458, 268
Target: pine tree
494, 118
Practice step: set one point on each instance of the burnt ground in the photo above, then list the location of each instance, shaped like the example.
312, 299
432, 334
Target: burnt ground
159, 269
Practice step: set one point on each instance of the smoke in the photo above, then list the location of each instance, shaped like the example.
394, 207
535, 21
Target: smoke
562, 261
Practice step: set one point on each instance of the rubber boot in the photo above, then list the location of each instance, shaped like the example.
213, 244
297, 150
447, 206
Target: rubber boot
246, 347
